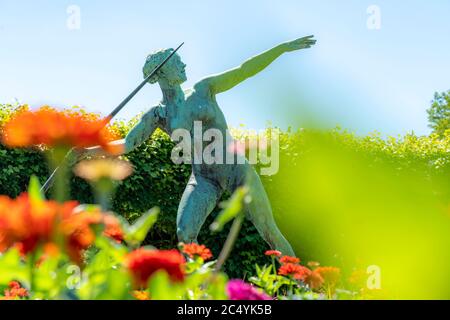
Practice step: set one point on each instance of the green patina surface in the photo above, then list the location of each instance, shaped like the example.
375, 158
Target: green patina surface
179, 109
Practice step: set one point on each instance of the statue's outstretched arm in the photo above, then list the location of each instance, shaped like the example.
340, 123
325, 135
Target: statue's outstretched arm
224, 81
137, 135
142, 130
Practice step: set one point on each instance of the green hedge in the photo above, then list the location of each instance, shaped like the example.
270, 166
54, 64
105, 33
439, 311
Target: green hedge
158, 182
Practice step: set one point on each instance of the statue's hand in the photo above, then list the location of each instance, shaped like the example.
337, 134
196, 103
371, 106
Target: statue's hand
298, 44
83, 153
76, 155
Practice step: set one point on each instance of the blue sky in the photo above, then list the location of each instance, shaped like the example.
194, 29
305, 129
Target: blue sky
362, 79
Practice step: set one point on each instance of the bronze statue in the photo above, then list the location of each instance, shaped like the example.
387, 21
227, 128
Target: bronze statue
179, 109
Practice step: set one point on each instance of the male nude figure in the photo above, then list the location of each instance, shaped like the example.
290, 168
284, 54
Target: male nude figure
179, 109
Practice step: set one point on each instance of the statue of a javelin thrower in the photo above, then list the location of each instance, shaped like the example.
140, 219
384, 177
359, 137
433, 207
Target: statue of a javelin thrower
178, 110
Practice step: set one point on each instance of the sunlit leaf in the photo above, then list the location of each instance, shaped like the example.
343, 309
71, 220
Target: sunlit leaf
137, 232
232, 208
34, 190
161, 288
12, 268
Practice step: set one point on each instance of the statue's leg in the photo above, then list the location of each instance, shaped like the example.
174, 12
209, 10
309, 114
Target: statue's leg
198, 201
259, 212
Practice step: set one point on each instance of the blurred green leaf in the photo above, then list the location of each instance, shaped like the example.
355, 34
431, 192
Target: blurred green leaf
161, 288
137, 232
232, 208
34, 190
12, 268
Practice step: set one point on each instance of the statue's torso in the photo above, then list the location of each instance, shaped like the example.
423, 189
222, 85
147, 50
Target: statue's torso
200, 112
197, 106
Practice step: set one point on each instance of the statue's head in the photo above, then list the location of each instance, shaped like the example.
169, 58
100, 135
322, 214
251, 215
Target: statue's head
173, 72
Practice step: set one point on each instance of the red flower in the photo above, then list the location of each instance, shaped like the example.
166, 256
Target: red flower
330, 275
288, 259
302, 273
194, 250
15, 291
288, 269
275, 253
54, 128
294, 270
143, 263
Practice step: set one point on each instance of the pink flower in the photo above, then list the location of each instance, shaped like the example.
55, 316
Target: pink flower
273, 253
237, 147
239, 290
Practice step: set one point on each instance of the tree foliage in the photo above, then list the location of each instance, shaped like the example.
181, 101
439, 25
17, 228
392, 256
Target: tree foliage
439, 113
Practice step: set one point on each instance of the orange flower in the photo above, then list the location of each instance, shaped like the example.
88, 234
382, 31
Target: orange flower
194, 250
143, 263
288, 259
358, 278
313, 264
15, 291
77, 230
54, 128
330, 275
49, 250
275, 253
26, 224
140, 295
95, 170
113, 228
294, 270
314, 280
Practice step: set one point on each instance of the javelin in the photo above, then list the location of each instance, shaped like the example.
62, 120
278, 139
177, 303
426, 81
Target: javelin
113, 113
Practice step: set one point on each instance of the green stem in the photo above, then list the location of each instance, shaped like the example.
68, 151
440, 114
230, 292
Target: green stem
291, 287
329, 292
274, 266
103, 189
60, 188
58, 159
102, 198
32, 266
275, 272
226, 250
229, 243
